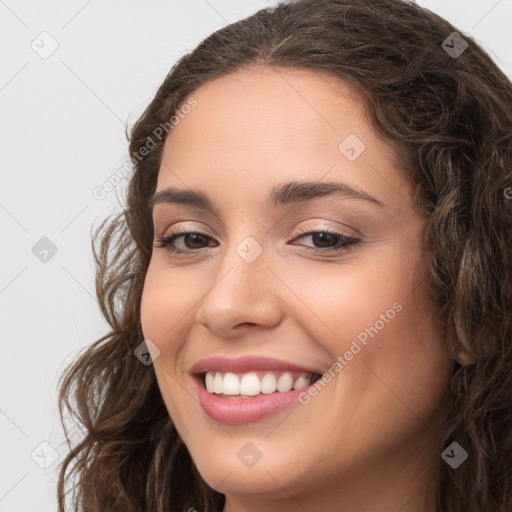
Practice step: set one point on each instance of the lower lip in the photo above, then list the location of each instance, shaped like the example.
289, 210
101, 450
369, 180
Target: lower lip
245, 410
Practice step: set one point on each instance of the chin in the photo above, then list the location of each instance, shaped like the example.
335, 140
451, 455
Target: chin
227, 474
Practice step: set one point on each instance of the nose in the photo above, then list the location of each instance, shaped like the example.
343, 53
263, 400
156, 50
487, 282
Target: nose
242, 294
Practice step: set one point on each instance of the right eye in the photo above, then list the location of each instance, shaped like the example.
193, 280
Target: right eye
194, 239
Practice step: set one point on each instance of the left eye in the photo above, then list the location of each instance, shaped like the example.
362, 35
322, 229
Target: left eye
324, 238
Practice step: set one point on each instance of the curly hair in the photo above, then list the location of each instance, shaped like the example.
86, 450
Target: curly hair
449, 119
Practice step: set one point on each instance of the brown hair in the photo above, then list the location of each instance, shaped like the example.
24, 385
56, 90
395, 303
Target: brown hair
449, 117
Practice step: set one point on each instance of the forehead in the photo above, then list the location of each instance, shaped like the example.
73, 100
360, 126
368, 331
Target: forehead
285, 107
255, 128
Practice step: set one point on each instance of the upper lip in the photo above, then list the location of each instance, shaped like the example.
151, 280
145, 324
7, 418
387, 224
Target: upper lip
247, 363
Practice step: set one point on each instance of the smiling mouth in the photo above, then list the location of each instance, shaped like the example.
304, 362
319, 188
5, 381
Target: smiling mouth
255, 383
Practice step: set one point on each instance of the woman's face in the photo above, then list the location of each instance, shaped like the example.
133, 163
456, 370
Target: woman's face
251, 284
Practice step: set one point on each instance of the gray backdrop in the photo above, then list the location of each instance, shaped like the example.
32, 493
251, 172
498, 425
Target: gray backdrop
72, 75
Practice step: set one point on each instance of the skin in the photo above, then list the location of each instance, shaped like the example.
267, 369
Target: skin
367, 441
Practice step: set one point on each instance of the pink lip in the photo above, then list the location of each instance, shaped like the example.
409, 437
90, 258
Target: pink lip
246, 364
245, 410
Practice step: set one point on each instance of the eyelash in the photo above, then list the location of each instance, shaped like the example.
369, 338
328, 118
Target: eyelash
348, 243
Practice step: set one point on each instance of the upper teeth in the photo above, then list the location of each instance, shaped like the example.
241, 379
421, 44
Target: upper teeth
253, 383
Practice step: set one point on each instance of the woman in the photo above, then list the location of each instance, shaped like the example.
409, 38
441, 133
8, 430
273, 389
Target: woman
310, 286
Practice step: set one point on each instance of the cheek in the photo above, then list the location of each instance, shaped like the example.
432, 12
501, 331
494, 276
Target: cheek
340, 301
372, 315
162, 306
156, 314
163, 322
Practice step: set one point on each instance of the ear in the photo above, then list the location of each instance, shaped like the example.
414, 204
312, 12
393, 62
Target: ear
464, 358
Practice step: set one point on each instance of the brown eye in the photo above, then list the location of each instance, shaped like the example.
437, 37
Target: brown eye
192, 241
329, 241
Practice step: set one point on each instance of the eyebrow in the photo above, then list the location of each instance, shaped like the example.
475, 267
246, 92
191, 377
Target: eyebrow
286, 193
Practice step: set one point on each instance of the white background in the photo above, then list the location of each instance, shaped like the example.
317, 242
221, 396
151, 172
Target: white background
62, 126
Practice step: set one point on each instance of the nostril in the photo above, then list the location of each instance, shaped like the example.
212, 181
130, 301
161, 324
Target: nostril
244, 324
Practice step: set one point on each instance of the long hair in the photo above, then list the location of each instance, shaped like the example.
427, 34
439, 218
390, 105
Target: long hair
446, 108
